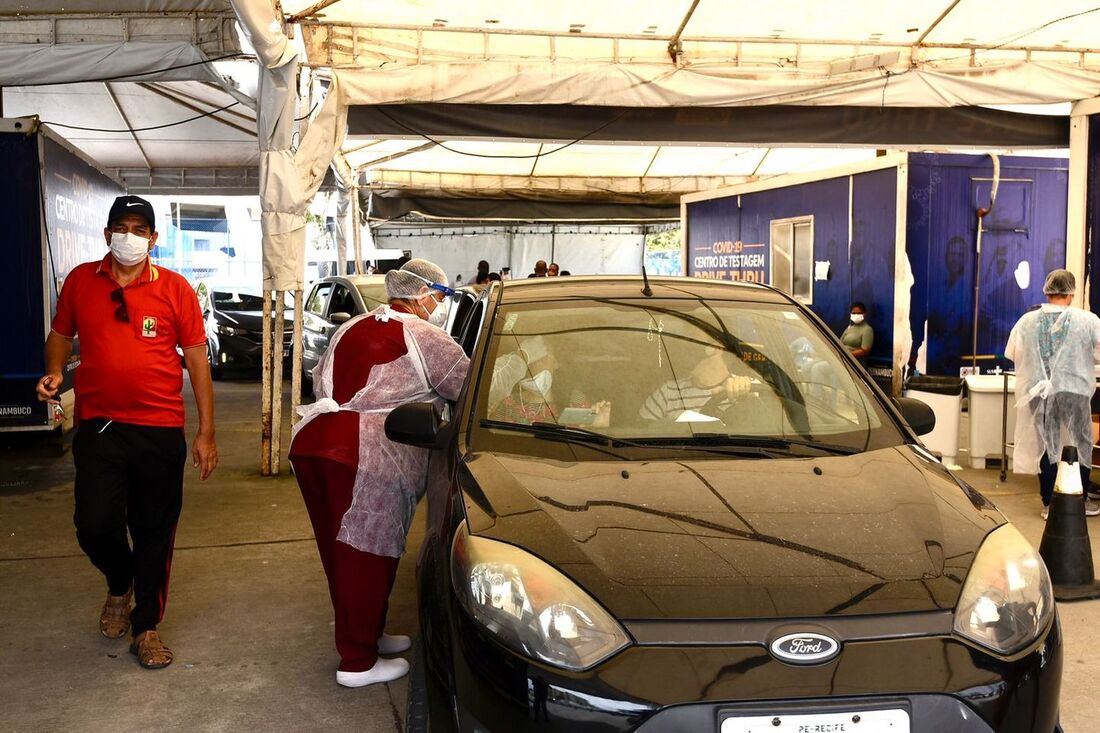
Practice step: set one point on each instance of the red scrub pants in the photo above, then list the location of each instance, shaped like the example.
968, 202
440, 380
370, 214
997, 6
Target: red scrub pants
359, 583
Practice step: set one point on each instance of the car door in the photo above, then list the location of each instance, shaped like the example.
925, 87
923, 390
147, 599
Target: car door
340, 304
466, 318
315, 329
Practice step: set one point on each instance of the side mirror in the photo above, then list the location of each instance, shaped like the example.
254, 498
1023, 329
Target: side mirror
417, 423
919, 415
340, 317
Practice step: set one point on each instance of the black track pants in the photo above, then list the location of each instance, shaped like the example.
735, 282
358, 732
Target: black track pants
130, 477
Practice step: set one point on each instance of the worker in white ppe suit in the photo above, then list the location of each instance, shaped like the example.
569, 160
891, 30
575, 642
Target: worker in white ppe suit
1055, 350
361, 489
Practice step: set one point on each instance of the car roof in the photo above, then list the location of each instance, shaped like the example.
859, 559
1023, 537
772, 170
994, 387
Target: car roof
355, 280
630, 286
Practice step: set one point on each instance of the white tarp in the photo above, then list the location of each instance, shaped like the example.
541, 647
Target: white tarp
288, 178
31, 64
580, 250
657, 85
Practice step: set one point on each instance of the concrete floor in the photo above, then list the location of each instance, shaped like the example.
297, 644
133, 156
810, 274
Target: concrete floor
249, 617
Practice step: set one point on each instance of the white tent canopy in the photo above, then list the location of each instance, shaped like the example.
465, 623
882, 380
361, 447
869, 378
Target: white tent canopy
453, 62
145, 65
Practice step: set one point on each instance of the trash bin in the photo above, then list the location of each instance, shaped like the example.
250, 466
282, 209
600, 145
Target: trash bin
944, 396
987, 403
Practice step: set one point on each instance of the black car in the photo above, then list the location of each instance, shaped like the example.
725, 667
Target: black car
332, 302
234, 327
631, 544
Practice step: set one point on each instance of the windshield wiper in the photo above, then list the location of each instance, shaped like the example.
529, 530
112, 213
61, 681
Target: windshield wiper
552, 431
768, 441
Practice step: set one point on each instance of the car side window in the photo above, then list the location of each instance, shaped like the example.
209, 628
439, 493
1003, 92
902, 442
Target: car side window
466, 323
341, 301
316, 302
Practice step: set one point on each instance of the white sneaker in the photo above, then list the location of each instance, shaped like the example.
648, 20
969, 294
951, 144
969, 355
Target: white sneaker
384, 670
1045, 513
1092, 509
393, 644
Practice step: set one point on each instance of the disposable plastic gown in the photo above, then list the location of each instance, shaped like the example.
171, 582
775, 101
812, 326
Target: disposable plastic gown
1055, 350
391, 477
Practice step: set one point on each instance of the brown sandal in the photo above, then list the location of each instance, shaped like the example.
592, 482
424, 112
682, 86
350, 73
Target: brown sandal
114, 619
151, 651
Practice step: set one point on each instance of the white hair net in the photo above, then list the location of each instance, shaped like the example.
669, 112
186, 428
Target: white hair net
1060, 282
413, 275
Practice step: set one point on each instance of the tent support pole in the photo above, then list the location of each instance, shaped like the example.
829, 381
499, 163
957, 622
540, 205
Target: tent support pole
265, 398
1077, 204
277, 325
674, 47
296, 359
356, 226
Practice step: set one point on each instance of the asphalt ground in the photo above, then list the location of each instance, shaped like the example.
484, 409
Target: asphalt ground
248, 615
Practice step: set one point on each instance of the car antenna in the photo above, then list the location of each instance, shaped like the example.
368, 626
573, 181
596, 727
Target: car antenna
646, 290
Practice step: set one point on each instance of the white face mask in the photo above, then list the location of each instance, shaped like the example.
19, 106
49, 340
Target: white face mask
439, 315
538, 384
857, 318
128, 248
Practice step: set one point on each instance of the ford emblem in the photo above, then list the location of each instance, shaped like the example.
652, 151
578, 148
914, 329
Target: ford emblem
805, 648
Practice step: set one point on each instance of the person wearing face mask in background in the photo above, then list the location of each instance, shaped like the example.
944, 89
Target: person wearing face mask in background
522, 390
361, 489
129, 449
858, 337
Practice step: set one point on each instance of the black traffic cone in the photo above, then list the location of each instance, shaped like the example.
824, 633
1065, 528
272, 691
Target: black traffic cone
1065, 547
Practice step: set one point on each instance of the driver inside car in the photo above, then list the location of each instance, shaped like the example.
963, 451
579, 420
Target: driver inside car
710, 382
523, 391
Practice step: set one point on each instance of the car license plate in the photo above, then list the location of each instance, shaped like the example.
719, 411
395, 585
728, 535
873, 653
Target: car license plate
862, 721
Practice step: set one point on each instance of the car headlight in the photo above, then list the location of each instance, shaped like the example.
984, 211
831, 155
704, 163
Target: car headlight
225, 330
531, 607
1007, 599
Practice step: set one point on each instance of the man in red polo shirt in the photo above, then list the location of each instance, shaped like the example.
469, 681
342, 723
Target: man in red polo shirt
129, 448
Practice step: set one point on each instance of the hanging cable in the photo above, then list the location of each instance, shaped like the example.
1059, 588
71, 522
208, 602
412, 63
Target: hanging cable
138, 74
141, 129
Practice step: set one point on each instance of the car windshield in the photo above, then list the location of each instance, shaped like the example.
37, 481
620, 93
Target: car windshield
373, 294
714, 376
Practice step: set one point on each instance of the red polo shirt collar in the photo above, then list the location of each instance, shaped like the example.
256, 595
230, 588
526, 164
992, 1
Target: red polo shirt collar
148, 275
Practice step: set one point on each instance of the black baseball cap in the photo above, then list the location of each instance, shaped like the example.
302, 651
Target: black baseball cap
124, 205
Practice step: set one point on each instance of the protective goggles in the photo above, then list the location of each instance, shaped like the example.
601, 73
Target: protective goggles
449, 292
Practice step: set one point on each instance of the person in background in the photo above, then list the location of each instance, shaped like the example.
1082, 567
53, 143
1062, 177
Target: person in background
506, 273
540, 269
482, 275
565, 273
494, 277
361, 489
712, 379
1055, 350
552, 270
523, 391
858, 337
129, 450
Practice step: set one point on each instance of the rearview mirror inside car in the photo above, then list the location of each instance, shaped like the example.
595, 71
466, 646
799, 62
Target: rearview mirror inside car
919, 415
417, 423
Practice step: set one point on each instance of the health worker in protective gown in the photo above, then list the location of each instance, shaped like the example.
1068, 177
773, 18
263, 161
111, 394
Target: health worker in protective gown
360, 489
1055, 349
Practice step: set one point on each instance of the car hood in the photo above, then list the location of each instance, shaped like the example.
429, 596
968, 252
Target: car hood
249, 320
880, 532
